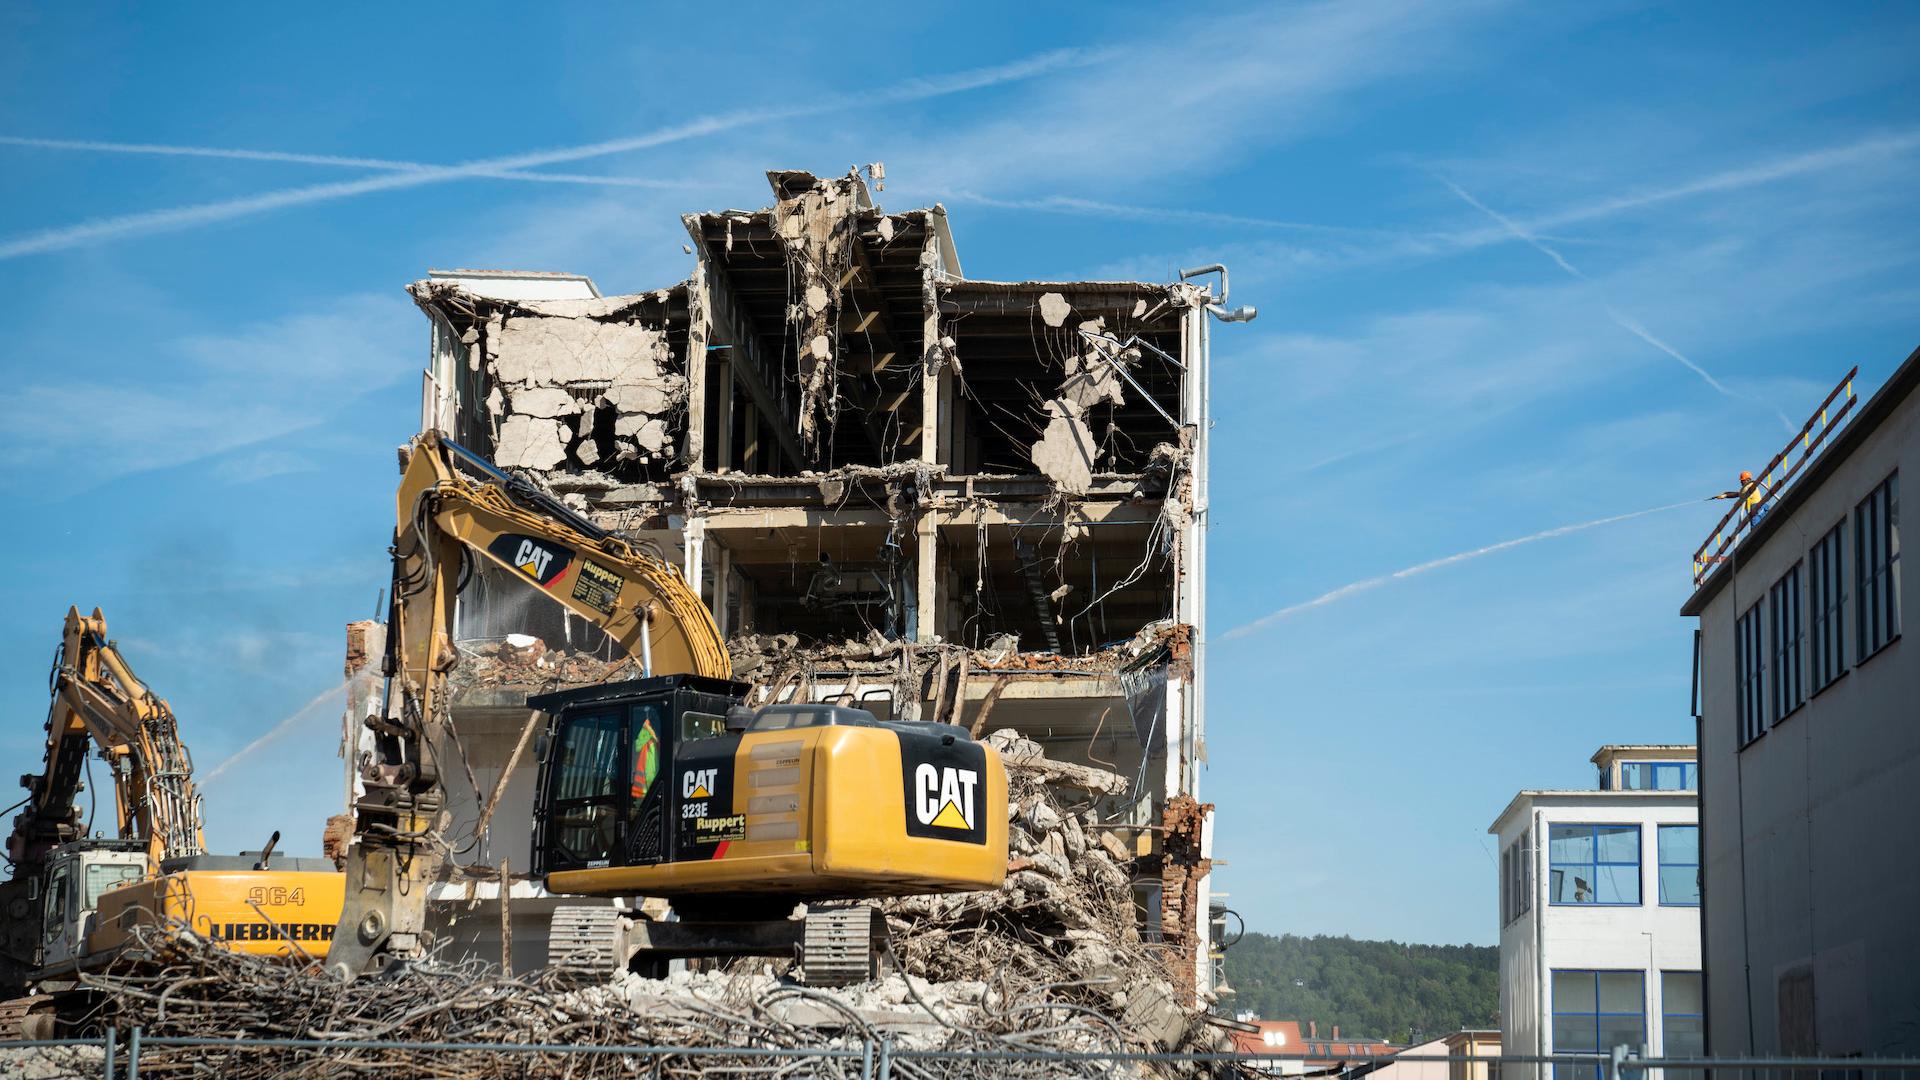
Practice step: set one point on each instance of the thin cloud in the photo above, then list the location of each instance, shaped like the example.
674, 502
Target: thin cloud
1620, 319
332, 161
185, 217
1369, 584
1765, 172
1067, 204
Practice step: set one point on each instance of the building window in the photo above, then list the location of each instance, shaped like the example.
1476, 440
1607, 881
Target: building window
1679, 851
1876, 555
1594, 864
1516, 878
1683, 1023
1751, 672
1595, 1011
1787, 691
1658, 776
1826, 592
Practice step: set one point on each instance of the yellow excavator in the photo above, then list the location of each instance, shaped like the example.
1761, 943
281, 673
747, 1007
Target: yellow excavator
665, 786
74, 900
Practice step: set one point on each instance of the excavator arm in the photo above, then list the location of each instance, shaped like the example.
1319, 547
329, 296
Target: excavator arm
97, 701
444, 517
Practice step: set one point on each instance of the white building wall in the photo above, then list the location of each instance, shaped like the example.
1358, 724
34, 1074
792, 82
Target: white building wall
1520, 1030
1648, 937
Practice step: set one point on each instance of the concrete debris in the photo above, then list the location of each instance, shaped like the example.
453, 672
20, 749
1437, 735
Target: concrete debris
1065, 917
816, 227
1054, 309
1066, 448
52, 1062
1018, 752
575, 384
213, 992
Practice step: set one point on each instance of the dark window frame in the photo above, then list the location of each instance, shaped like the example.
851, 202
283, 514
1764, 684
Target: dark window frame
1827, 607
1876, 563
1784, 626
1750, 674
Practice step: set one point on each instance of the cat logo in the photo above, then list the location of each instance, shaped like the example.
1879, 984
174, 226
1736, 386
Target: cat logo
943, 796
543, 562
533, 559
697, 783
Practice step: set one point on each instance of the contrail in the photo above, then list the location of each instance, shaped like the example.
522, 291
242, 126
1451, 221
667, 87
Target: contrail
184, 217
1623, 321
277, 731
1765, 172
1345, 591
1068, 204
331, 160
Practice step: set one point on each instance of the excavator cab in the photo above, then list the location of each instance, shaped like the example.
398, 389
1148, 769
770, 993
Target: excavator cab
670, 788
78, 875
604, 797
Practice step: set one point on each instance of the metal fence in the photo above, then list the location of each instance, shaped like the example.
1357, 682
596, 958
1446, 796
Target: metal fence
117, 1055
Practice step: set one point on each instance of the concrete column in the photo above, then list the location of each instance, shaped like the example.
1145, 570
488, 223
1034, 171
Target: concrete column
700, 329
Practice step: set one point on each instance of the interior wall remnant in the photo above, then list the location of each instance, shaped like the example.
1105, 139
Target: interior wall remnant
574, 385
816, 227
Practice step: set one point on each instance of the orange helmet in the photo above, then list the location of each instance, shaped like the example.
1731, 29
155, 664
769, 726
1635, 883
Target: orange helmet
1746, 477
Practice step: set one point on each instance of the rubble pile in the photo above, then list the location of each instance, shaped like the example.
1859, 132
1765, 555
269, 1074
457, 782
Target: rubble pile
1052, 961
1064, 921
759, 657
525, 660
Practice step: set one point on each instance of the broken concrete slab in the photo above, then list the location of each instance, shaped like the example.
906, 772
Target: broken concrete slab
1066, 448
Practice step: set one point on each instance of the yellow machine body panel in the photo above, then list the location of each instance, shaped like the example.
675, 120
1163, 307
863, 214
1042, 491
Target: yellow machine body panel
824, 812
262, 912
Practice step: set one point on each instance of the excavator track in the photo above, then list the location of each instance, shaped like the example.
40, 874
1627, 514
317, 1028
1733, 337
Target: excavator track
842, 944
588, 943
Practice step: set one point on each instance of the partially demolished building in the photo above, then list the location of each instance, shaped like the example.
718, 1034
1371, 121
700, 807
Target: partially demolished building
939, 498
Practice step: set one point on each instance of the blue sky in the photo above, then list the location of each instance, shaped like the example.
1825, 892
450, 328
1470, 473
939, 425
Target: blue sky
1519, 267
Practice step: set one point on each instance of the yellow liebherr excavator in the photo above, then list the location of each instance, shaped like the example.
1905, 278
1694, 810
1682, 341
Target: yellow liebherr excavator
73, 901
664, 786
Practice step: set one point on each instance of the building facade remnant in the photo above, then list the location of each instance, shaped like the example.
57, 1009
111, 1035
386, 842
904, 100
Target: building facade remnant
934, 497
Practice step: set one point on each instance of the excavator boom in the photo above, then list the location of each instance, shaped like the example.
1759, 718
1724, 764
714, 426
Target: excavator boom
445, 516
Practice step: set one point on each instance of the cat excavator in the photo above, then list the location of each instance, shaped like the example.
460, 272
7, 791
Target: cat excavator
666, 786
74, 900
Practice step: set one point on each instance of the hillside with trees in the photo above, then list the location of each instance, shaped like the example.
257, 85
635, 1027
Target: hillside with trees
1388, 990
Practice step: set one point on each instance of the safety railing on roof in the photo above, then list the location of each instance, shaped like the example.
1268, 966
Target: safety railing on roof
1754, 500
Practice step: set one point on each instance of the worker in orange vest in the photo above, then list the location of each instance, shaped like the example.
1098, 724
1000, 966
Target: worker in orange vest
1753, 493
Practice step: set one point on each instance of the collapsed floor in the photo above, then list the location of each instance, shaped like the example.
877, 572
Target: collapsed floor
1054, 960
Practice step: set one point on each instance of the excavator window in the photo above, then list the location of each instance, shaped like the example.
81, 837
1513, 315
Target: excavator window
102, 877
695, 726
57, 902
586, 795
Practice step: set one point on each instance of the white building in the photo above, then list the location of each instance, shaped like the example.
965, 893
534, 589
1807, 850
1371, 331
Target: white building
1810, 748
1600, 912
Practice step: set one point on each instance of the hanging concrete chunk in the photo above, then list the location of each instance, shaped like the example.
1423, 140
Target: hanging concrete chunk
1054, 309
1065, 450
